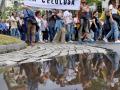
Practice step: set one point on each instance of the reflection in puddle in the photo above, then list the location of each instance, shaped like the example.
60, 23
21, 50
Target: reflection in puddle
75, 72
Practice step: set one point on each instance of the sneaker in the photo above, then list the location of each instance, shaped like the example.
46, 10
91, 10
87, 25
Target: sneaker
118, 41
105, 39
112, 84
70, 41
80, 42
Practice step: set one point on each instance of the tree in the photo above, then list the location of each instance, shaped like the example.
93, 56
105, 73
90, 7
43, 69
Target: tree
93, 1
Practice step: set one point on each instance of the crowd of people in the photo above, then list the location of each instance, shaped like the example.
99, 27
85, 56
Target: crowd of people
62, 26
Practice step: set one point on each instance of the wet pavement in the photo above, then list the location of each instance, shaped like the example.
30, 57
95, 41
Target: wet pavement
70, 72
3, 85
62, 67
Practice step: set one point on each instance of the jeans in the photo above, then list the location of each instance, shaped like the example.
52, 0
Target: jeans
40, 35
96, 34
51, 33
23, 36
15, 32
115, 59
32, 85
60, 69
84, 27
71, 62
114, 30
37, 36
69, 28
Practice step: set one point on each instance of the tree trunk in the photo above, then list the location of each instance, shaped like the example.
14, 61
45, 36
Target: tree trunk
2, 5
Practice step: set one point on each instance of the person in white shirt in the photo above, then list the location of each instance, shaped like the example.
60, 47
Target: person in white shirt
13, 23
39, 21
69, 24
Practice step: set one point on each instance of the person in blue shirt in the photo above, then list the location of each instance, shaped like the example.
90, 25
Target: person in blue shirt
0, 27
3, 27
29, 25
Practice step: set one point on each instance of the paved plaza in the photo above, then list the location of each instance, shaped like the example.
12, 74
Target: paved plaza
42, 52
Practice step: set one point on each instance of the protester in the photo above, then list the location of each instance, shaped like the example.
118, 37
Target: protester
60, 28
13, 23
84, 21
45, 28
114, 28
76, 26
51, 25
69, 24
30, 25
33, 26
95, 25
40, 23
115, 13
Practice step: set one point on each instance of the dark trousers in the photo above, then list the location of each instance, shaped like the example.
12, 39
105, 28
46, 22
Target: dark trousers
45, 34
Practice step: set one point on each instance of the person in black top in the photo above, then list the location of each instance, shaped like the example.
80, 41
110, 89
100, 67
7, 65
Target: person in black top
95, 27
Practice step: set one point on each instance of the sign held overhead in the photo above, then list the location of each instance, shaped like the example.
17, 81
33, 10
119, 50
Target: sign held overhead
54, 4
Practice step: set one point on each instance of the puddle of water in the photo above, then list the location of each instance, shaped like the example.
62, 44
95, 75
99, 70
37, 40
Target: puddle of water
75, 72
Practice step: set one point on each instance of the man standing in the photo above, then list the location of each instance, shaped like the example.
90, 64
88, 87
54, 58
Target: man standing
30, 25
84, 21
69, 24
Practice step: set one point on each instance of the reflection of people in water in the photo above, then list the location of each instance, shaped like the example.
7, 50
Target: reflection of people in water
71, 70
115, 59
33, 75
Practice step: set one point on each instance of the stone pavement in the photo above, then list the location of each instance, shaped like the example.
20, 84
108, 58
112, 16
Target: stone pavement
42, 52
109, 46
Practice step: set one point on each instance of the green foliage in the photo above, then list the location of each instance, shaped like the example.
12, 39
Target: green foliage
8, 11
93, 1
5, 40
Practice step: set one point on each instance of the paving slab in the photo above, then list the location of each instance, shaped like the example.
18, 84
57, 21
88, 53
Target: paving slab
46, 51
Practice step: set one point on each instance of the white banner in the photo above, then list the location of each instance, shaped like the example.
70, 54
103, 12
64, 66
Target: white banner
54, 4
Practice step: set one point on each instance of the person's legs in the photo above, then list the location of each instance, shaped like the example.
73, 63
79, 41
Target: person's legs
96, 34
81, 28
68, 27
51, 33
32, 85
29, 26
17, 33
12, 32
72, 31
33, 31
76, 33
63, 35
45, 35
57, 36
116, 31
86, 27
40, 36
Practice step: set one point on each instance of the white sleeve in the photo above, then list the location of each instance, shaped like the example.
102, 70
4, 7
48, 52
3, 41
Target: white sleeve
12, 18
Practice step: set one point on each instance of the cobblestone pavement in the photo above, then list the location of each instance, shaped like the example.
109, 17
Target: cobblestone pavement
110, 46
42, 52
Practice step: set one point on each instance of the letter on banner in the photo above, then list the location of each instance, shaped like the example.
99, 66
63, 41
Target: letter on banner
54, 4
